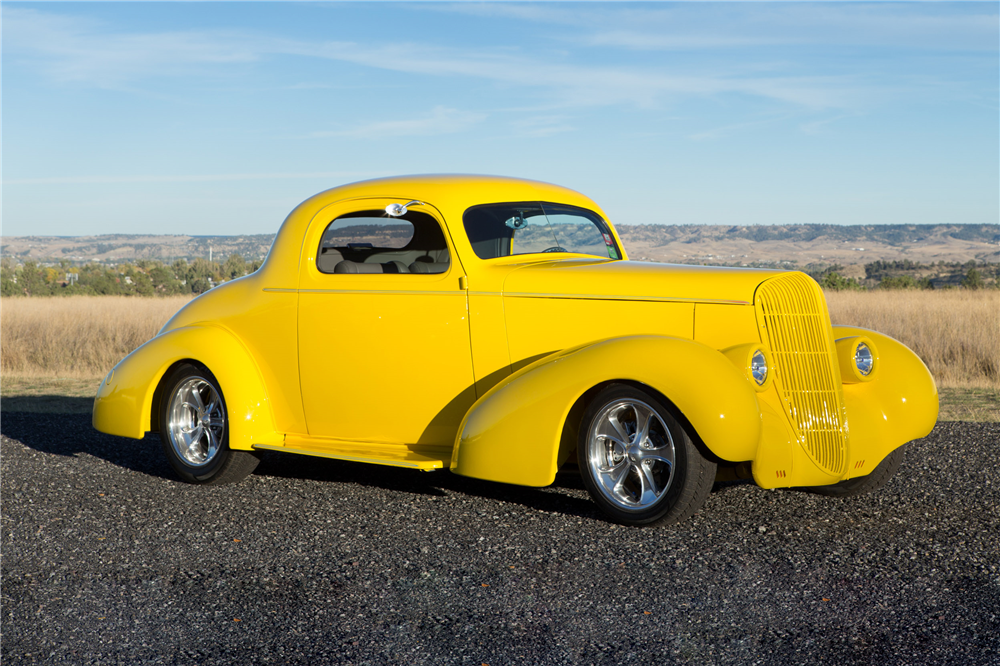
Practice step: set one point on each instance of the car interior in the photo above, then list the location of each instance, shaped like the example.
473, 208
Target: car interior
369, 242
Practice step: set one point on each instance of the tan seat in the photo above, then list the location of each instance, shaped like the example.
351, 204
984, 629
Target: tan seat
355, 267
428, 267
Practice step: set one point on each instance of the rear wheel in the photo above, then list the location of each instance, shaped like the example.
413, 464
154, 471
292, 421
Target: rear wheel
194, 429
637, 461
863, 484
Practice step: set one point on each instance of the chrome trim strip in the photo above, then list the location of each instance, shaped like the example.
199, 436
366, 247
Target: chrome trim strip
386, 292
622, 297
586, 297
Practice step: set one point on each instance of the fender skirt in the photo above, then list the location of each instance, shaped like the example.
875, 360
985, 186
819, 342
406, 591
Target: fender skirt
124, 401
512, 434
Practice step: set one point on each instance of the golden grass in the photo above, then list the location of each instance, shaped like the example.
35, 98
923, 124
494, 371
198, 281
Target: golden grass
956, 333
77, 336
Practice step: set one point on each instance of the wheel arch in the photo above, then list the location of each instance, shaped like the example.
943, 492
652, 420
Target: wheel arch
571, 426
128, 399
154, 409
522, 429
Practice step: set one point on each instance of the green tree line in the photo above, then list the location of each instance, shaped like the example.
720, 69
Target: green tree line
139, 278
879, 274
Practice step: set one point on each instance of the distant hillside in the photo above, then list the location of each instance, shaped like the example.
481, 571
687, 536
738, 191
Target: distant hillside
794, 245
125, 247
805, 244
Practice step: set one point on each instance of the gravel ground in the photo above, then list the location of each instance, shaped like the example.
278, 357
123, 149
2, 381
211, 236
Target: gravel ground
108, 560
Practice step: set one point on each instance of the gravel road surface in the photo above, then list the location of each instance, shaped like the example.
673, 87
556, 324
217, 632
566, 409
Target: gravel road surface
109, 560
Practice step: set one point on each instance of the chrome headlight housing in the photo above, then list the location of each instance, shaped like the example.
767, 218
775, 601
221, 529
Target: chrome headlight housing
754, 359
864, 360
858, 359
758, 367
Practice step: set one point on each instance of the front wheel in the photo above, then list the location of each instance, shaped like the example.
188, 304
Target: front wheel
637, 462
194, 429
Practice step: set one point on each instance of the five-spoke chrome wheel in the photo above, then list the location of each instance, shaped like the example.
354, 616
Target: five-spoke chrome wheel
194, 428
631, 454
196, 421
637, 460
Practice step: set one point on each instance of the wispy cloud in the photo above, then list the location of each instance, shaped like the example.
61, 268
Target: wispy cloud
88, 52
202, 178
440, 120
734, 128
694, 26
819, 126
542, 126
84, 51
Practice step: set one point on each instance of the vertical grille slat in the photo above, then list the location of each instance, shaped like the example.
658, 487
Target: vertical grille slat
799, 335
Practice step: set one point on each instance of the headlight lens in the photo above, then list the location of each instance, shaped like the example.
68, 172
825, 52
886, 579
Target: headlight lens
863, 359
758, 367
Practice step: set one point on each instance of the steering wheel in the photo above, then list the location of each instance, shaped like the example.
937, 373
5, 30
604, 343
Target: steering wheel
555, 248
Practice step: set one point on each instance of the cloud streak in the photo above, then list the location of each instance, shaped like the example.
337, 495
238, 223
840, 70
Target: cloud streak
90, 53
441, 120
195, 178
691, 26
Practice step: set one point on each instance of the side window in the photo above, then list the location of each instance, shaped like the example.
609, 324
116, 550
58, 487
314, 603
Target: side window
370, 242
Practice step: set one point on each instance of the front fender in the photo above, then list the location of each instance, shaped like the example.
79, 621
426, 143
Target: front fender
512, 433
124, 401
899, 405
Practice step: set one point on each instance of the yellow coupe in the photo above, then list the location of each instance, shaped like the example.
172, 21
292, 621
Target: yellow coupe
495, 327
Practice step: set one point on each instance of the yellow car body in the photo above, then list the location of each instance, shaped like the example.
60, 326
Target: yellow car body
484, 366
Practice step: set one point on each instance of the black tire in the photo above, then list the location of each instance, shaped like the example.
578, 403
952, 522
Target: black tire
863, 484
645, 489
192, 403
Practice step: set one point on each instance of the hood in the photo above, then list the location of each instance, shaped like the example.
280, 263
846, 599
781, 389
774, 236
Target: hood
635, 280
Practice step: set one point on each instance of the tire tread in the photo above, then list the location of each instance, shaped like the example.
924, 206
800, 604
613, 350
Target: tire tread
238, 466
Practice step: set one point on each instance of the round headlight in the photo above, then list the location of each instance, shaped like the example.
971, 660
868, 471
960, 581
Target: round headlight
758, 367
863, 359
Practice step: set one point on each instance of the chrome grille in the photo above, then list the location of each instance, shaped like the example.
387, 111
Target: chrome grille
796, 327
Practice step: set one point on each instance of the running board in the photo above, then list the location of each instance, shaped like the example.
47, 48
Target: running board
395, 456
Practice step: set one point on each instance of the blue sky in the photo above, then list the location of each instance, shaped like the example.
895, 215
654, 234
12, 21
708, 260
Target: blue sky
218, 118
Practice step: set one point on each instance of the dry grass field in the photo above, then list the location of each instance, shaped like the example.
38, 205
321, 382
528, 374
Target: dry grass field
955, 332
76, 337
63, 346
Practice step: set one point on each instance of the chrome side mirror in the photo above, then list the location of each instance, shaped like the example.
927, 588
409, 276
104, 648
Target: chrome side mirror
397, 210
516, 222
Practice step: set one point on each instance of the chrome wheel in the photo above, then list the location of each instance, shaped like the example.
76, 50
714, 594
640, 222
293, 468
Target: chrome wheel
196, 421
630, 454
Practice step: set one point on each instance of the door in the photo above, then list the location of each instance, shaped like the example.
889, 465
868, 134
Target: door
383, 327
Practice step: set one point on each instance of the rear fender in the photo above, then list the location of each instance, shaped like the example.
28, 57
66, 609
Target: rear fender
124, 401
512, 433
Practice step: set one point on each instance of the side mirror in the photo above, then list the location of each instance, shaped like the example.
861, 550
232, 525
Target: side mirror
398, 210
516, 222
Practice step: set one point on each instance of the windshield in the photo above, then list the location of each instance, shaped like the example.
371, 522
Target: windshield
501, 230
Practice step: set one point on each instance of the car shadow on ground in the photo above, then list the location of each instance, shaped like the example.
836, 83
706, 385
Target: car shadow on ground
71, 434
61, 426
64, 431
435, 484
